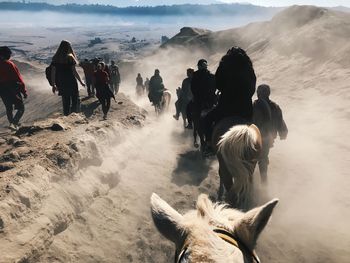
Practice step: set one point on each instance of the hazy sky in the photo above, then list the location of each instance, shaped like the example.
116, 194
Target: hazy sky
294, 2
167, 2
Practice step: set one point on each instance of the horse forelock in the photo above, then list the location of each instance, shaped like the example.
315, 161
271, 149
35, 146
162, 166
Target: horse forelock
204, 244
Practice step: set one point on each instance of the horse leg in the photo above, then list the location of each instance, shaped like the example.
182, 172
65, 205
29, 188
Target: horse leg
221, 188
226, 181
195, 133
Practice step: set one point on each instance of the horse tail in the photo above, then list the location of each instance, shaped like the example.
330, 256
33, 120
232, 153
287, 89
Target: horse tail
240, 148
167, 98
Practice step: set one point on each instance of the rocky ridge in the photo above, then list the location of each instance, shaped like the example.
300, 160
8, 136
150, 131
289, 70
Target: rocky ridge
42, 190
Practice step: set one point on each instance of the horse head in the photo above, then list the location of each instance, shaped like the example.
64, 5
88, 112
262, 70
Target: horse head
212, 232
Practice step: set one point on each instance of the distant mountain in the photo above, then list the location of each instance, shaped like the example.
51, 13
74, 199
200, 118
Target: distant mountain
184, 9
317, 33
124, 3
341, 8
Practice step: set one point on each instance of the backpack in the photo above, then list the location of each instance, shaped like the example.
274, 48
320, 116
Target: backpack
48, 71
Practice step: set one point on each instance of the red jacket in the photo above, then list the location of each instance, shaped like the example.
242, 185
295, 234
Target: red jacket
101, 78
9, 73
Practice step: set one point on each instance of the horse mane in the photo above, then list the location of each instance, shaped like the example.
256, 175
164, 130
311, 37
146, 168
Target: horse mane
235, 146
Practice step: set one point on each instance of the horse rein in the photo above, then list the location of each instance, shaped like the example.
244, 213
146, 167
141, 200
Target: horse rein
227, 237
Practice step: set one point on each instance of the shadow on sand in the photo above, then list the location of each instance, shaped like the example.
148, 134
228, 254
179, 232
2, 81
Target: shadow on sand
191, 169
88, 106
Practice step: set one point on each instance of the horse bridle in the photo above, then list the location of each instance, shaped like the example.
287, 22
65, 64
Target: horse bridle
226, 236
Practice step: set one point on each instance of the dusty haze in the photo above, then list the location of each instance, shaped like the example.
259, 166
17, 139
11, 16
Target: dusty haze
303, 54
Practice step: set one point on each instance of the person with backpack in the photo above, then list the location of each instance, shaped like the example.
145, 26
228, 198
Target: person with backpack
64, 77
115, 77
267, 115
235, 80
103, 92
12, 88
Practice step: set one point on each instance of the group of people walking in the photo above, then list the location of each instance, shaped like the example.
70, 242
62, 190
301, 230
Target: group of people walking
206, 99
90, 67
101, 80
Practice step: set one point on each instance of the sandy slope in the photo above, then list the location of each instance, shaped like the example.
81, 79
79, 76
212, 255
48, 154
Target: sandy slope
100, 211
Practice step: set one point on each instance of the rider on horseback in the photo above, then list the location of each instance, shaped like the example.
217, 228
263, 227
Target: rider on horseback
184, 96
236, 80
156, 88
203, 90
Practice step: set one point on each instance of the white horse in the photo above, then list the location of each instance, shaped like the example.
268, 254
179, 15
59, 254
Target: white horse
163, 103
211, 233
238, 148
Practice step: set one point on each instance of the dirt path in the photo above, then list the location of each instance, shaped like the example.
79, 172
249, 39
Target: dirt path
159, 158
117, 226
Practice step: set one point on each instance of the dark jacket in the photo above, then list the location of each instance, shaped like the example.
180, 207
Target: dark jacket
65, 80
237, 87
269, 119
186, 93
203, 89
101, 85
156, 88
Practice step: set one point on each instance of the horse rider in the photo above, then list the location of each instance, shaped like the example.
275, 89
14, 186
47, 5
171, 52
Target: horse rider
235, 79
203, 88
139, 85
267, 115
156, 88
146, 85
185, 96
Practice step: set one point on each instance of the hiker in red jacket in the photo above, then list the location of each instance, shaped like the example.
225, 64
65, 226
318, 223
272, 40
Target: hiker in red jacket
103, 92
11, 88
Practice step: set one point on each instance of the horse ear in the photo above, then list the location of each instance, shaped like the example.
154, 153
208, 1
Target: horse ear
167, 220
204, 206
249, 227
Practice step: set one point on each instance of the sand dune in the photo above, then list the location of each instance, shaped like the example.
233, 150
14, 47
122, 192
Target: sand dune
95, 208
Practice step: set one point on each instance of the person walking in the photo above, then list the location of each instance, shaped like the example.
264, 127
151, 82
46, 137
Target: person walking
268, 116
12, 88
89, 70
103, 92
64, 77
115, 77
